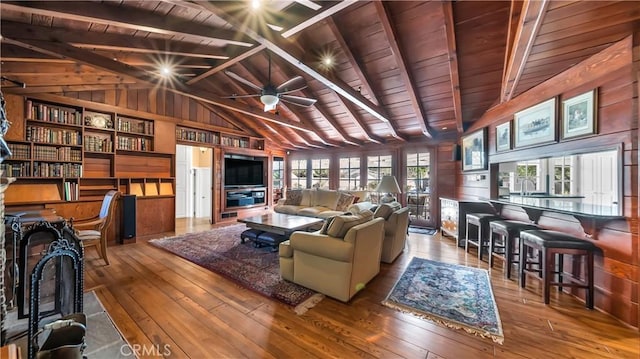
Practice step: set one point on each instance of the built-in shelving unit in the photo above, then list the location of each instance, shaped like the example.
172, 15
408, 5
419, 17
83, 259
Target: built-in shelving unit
207, 138
245, 197
73, 153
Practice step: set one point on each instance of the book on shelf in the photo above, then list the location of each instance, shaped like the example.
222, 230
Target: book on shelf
71, 191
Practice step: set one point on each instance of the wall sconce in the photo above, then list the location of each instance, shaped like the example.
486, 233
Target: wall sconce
203, 149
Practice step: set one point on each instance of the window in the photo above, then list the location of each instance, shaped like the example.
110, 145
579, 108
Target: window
299, 174
278, 172
563, 183
418, 172
528, 177
320, 173
349, 173
377, 166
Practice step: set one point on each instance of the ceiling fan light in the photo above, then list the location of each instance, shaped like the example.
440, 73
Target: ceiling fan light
269, 100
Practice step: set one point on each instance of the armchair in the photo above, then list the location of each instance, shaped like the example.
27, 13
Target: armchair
337, 267
94, 232
395, 234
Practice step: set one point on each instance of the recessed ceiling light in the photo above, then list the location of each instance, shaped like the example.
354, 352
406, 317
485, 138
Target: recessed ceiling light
166, 70
444, 128
255, 4
327, 61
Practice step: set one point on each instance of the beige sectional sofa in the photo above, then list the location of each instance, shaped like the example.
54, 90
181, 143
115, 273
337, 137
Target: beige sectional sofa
320, 203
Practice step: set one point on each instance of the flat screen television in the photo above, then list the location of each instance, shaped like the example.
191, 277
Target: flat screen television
243, 172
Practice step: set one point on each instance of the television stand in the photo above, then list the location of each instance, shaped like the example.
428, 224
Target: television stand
245, 197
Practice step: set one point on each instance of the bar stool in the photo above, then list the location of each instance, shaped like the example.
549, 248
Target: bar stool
508, 231
549, 244
481, 221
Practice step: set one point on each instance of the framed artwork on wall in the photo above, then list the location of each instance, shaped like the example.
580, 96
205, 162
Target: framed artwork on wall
503, 137
579, 115
536, 124
474, 151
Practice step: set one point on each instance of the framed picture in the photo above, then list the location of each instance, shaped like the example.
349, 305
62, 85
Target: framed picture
579, 115
474, 151
535, 125
503, 137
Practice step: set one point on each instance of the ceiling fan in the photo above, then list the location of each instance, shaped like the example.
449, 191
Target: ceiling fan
270, 95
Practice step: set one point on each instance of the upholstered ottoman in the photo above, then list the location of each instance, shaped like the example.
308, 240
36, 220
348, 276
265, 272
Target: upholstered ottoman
270, 239
251, 234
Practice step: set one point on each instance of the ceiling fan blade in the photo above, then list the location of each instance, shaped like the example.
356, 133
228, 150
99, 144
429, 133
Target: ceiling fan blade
290, 84
241, 96
294, 90
238, 78
297, 100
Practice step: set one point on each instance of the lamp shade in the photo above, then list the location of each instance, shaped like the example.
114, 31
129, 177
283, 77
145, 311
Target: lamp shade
388, 184
269, 100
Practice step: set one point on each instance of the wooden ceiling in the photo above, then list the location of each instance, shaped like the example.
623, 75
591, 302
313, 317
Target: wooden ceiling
401, 71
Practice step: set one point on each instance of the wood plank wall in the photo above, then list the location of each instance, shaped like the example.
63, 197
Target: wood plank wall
153, 101
618, 267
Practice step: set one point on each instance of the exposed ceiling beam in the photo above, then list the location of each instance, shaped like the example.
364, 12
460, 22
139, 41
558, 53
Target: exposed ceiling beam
450, 35
130, 18
318, 17
198, 93
358, 121
531, 17
390, 31
110, 41
308, 3
348, 139
226, 64
614, 58
346, 49
286, 51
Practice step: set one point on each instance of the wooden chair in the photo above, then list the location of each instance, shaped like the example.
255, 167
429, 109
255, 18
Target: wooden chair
95, 231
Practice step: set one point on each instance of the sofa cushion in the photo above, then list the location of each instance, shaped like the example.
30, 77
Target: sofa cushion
287, 209
344, 201
294, 197
329, 213
307, 198
326, 198
311, 211
341, 224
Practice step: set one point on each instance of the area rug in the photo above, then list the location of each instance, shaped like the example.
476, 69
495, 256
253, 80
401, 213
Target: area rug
422, 230
451, 295
220, 250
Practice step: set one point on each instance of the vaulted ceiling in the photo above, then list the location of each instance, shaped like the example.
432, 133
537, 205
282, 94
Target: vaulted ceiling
400, 71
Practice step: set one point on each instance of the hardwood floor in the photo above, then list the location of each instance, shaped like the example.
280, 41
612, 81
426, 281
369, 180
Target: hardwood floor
165, 305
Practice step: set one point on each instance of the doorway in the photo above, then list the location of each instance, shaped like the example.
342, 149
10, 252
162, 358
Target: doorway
194, 167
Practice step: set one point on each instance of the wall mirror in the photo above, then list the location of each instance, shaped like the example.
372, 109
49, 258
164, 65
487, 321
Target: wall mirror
593, 178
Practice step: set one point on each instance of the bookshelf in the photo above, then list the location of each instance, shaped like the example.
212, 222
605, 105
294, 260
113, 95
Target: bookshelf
199, 137
73, 153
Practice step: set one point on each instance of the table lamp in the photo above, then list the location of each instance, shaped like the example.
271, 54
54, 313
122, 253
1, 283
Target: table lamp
389, 186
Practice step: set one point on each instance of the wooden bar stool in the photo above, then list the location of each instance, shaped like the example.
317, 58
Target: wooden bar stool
549, 244
502, 241
481, 221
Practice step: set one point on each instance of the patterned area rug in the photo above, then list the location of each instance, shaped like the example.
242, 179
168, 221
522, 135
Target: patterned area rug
221, 251
452, 295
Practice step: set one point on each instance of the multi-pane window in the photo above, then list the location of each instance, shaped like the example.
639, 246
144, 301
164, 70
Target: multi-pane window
278, 173
349, 173
320, 173
528, 177
377, 166
418, 170
299, 174
562, 175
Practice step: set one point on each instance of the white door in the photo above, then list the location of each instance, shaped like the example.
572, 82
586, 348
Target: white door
202, 193
183, 181
599, 178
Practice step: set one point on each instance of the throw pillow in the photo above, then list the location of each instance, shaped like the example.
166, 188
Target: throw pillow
384, 211
293, 197
326, 224
342, 224
344, 201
